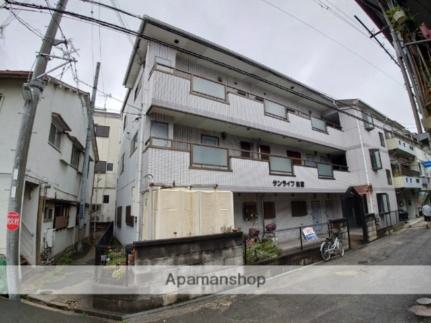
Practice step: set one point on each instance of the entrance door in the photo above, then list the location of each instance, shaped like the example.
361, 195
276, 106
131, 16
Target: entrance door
316, 214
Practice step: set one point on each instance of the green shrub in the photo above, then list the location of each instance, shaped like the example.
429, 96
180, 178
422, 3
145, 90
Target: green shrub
261, 250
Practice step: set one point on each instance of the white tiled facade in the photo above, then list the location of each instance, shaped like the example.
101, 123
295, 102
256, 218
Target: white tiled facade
330, 160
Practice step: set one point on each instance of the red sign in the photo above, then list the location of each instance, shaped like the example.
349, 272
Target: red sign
12, 221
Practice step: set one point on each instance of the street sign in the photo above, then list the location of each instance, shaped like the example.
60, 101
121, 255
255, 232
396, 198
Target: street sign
12, 221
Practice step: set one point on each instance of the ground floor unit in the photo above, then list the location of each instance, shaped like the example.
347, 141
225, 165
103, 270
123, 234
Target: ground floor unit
49, 220
173, 212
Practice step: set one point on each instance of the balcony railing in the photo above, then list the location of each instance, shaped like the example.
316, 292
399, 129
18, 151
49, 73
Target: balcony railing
218, 91
218, 158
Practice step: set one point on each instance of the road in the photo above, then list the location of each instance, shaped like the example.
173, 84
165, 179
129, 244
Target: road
408, 247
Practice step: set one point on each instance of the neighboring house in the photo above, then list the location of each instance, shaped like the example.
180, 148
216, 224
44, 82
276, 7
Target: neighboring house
108, 131
49, 220
279, 150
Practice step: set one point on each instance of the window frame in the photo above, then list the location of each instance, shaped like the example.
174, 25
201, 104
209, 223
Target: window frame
99, 164
118, 216
374, 166
272, 214
56, 143
382, 139
246, 214
134, 143
303, 208
109, 167
75, 157
217, 139
207, 94
389, 177
368, 120
102, 131
285, 116
105, 199
130, 221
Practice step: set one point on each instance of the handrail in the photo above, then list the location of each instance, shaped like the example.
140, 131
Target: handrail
244, 93
253, 155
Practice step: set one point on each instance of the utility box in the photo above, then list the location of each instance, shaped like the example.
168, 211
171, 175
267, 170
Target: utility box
177, 212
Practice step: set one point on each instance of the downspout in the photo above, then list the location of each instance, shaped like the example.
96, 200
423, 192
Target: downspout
367, 177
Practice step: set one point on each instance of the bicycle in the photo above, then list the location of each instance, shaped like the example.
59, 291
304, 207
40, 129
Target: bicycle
331, 246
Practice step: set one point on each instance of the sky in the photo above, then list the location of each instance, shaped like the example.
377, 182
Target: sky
317, 42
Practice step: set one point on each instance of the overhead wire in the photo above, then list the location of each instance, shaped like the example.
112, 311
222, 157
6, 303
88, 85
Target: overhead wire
106, 24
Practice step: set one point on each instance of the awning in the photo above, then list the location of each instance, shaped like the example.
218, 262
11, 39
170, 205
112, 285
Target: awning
363, 189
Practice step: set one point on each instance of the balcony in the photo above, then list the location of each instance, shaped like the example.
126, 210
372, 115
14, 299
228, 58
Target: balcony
407, 182
180, 91
194, 164
401, 147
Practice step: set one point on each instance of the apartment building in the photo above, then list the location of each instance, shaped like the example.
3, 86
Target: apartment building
411, 179
210, 120
108, 136
49, 221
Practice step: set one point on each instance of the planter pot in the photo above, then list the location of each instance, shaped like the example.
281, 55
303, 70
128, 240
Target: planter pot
399, 17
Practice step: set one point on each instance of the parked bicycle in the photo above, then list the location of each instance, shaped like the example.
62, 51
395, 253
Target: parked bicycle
331, 247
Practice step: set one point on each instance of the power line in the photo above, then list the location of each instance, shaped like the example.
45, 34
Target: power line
106, 24
330, 38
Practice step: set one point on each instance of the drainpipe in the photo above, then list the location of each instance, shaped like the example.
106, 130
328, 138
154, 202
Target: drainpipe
367, 178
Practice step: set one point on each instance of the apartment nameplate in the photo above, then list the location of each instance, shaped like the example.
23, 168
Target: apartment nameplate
284, 183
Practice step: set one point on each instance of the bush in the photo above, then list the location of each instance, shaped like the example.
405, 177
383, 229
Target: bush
261, 250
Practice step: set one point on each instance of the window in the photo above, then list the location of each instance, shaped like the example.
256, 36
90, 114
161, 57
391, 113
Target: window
138, 87
376, 162
245, 149
209, 140
122, 164
163, 64
102, 131
160, 133
265, 151
55, 136
268, 210
125, 121
74, 159
299, 208
389, 176
134, 143
209, 88
61, 217
118, 216
280, 165
275, 110
318, 124
249, 211
383, 203
368, 120
47, 215
295, 156
382, 139
129, 217
325, 170
100, 167
109, 167
209, 156
105, 199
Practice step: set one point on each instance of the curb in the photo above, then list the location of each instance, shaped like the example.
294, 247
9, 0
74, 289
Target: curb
63, 307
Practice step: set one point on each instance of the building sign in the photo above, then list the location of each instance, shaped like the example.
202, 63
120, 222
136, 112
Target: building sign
12, 221
285, 183
309, 234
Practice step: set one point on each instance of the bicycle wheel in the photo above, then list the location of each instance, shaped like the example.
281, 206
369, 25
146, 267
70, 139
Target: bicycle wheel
325, 253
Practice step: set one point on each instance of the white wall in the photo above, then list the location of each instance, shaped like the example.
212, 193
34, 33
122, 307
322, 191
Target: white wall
44, 162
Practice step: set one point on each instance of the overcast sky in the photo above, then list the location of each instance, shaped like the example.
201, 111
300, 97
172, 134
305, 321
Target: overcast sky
343, 64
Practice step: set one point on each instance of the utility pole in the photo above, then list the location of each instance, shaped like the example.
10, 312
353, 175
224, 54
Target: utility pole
31, 93
85, 168
403, 63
